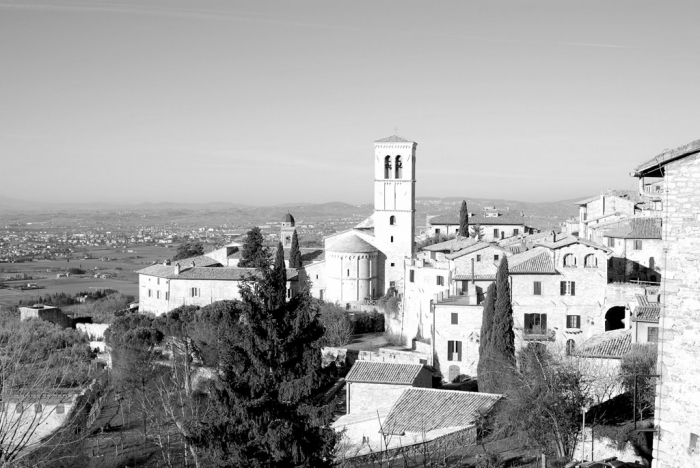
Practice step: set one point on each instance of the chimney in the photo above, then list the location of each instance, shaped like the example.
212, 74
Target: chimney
193, 265
177, 268
553, 236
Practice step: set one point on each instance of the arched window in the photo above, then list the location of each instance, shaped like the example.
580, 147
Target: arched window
392, 220
569, 260
590, 261
387, 167
399, 168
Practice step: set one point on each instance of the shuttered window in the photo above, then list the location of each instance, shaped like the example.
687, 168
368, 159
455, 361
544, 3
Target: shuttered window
568, 288
411, 275
653, 334
454, 350
573, 321
537, 288
535, 324
454, 320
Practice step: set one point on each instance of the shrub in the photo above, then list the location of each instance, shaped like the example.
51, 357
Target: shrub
368, 322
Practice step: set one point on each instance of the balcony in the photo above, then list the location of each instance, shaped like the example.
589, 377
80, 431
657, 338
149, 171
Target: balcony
538, 334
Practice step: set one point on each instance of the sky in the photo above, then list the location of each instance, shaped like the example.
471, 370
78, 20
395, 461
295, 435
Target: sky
270, 102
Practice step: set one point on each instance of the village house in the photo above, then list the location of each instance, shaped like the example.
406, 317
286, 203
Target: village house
676, 173
494, 224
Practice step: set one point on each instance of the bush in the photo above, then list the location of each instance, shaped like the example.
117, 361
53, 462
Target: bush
394, 339
368, 322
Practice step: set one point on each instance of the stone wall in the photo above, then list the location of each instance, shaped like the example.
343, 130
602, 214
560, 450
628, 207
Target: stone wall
466, 331
369, 397
677, 412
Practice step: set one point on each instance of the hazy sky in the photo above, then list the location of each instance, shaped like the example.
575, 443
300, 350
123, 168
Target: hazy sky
267, 102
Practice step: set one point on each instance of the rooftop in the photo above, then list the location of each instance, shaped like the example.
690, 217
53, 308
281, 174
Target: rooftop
383, 372
652, 166
570, 240
613, 344
451, 245
503, 218
532, 261
649, 313
635, 228
208, 273
352, 244
631, 195
394, 139
423, 409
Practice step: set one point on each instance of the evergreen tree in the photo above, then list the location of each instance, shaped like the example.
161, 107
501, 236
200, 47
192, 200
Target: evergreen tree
264, 411
484, 368
253, 254
502, 336
464, 220
279, 278
188, 250
295, 253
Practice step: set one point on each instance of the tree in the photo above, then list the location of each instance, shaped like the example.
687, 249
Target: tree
502, 336
279, 278
337, 325
464, 220
295, 253
477, 234
189, 249
253, 254
640, 360
263, 410
485, 369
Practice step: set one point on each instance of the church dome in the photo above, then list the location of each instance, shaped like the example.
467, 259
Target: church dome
288, 218
352, 244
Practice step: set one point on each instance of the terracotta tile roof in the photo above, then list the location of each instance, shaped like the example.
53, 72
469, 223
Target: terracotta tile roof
474, 247
635, 228
208, 273
613, 344
506, 218
649, 313
476, 277
666, 157
570, 240
642, 300
383, 372
451, 245
631, 195
422, 410
393, 139
352, 244
532, 261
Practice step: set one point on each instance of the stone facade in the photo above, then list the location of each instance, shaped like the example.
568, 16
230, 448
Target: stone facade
457, 329
677, 412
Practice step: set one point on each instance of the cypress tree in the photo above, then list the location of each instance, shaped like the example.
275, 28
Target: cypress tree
295, 253
502, 336
279, 277
484, 367
253, 254
464, 220
264, 411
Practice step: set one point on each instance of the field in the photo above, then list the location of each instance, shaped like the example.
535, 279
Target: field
44, 273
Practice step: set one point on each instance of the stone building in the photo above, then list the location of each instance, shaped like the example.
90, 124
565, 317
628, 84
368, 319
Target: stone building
494, 224
677, 408
367, 261
609, 206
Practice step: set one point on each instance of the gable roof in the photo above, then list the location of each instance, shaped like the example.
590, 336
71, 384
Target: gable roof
613, 344
649, 313
383, 372
475, 248
209, 273
424, 409
393, 139
631, 195
635, 228
570, 240
532, 261
451, 244
652, 165
352, 244
452, 219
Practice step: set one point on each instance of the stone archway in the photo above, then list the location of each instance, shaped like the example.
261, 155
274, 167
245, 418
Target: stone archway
615, 318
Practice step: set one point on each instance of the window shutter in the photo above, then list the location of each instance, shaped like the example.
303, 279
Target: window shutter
450, 349
459, 350
563, 288
543, 322
528, 321
538, 288
573, 288
578, 321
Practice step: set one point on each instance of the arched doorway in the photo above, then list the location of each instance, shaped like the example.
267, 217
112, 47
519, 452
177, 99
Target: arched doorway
615, 318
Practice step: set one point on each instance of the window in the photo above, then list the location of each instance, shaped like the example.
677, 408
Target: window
516, 232
611, 242
60, 409
167, 295
570, 347
316, 276
569, 260
392, 220
568, 288
348, 272
157, 294
437, 231
150, 293
637, 245
454, 319
537, 285
495, 258
392, 264
573, 321
535, 324
478, 258
495, 233
158, 281
411, 276
194, 292
440, 280
590, 261
392, 238
399, 168
289, 293
454, 350
652, 263
653, 334
387, 167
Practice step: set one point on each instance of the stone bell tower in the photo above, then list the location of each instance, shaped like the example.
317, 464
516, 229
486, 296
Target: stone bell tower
394, 204
287, 231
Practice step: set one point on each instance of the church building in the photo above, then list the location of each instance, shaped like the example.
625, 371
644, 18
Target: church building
368, 260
